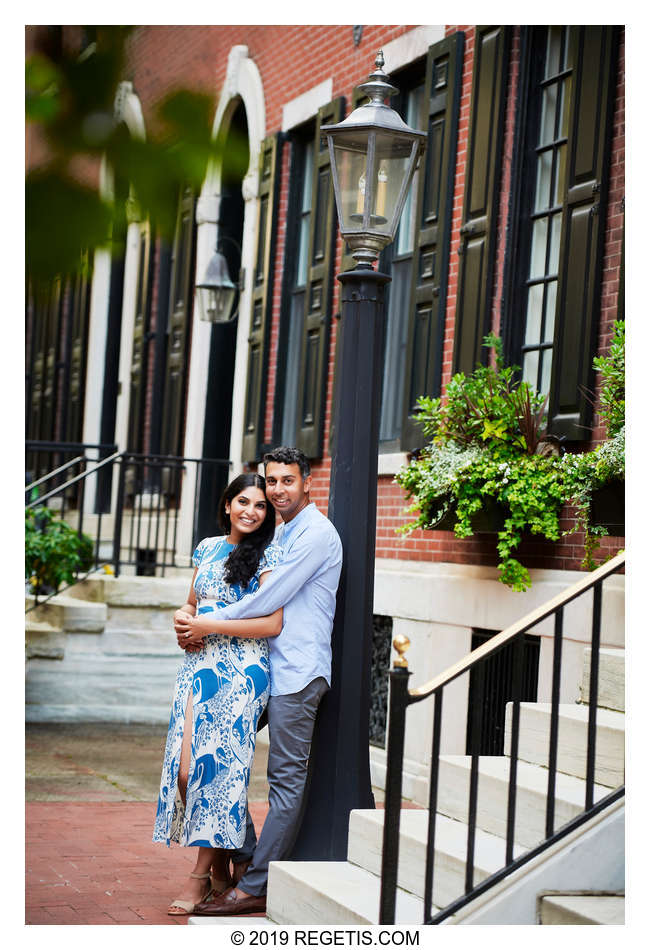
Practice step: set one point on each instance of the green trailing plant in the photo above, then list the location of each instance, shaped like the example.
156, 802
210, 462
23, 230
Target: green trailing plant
611, 405
489, 445
54, 552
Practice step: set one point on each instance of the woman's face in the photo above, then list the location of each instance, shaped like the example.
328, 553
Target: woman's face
247, 511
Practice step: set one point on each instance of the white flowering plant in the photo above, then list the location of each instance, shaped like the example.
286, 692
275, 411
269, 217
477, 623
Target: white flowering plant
488, 445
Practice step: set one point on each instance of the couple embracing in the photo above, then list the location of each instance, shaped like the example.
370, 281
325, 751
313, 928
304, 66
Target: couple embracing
256, 631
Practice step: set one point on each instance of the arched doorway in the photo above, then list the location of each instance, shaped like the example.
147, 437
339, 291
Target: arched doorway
223, 337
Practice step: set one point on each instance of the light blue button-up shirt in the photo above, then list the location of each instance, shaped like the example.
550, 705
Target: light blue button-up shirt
304, 584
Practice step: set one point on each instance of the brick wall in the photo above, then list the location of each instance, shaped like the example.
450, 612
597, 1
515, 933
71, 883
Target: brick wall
291, 60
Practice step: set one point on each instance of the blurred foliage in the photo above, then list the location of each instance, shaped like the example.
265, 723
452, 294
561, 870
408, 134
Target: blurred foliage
70, 104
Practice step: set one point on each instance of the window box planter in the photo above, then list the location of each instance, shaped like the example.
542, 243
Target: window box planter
608, 507
489, 519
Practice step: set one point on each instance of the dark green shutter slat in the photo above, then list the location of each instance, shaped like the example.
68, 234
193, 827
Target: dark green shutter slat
480, 206
314, 355
423, 366
583, 228
261, 300
179, 326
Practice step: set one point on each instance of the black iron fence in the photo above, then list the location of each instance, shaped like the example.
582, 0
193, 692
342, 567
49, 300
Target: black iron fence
128, 504
148, 508
477, 665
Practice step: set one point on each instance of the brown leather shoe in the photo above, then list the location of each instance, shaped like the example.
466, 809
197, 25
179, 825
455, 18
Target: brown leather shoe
229, 904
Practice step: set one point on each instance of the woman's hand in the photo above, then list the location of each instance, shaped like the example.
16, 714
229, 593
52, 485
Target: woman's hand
181, 619
188, 636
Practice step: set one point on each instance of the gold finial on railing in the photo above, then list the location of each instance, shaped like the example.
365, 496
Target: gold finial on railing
401, 644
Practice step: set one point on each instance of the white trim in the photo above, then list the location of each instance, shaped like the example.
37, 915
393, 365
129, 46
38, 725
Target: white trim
129, 306
410, 46
389, 463
242, 82
306, 105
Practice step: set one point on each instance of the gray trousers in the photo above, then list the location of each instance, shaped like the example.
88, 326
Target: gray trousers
291, 725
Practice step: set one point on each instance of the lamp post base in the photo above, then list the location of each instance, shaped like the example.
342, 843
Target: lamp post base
339, 762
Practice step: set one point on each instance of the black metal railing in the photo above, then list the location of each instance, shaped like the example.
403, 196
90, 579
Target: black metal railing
401, 698
49, 465
148, 508
143, 519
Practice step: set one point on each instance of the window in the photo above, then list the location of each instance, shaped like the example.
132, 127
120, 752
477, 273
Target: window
297, 258
398, 262
549, 148
560, 185
301, 379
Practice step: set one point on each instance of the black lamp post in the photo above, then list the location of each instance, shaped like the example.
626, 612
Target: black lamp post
373, 156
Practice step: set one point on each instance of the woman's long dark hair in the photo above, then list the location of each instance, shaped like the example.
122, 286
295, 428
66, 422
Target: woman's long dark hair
243, 559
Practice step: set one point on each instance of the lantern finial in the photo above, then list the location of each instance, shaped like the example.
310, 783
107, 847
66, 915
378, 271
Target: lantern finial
377, 85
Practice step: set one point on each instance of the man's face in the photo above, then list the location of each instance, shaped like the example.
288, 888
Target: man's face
286, 489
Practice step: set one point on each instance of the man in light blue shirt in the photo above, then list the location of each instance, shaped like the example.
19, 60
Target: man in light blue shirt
305, 585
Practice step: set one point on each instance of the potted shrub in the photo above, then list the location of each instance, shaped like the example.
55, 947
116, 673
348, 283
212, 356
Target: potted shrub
54, 552
607, 506
489, 453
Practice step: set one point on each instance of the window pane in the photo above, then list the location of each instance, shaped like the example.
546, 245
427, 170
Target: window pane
549, 322
554, 255
529, 374
292, 365
534, 314
547, 359
560, 169
406, 231
394, 351
549, 107
553, 51
538, 249
544, 169
303, 247
308, 168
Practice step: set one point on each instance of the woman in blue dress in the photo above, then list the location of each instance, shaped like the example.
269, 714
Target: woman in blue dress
222, 688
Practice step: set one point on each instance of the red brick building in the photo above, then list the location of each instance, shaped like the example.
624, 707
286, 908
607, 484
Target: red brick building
514, 224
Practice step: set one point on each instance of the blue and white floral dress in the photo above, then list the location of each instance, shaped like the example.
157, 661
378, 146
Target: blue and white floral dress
229, 679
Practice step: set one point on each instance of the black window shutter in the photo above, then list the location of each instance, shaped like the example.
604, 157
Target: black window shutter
314, 351
480, 205
423, 368
139, 358
179, 326
583, 227
347, 263
261, 300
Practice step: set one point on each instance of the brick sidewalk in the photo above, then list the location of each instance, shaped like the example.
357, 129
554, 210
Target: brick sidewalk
95, 863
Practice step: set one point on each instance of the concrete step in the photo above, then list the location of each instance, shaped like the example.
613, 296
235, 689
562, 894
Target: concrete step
534, 734
365, 847
492, 807
100, 688
611, 678
582, 909
68, 613
331, 892
43, 640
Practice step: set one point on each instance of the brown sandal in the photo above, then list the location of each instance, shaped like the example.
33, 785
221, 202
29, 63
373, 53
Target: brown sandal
186, 907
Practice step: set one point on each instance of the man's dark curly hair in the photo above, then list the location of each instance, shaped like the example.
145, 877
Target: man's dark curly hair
242, 561
287, 455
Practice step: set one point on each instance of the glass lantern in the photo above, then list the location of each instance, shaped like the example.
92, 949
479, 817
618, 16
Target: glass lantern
373, 155
216, 291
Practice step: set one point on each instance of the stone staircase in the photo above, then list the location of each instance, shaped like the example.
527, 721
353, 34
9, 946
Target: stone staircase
566, 909
348, 892
104, 651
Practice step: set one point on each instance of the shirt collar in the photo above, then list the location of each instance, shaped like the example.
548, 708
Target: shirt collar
299, 519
